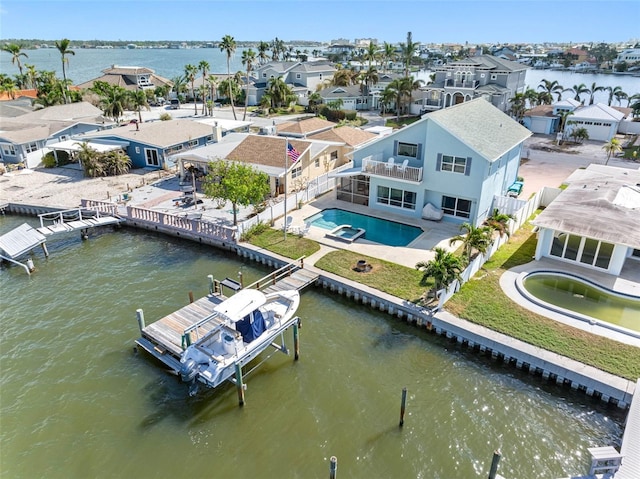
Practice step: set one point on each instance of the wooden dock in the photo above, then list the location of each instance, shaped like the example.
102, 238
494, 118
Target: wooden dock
163, 338
630, 448
74, 219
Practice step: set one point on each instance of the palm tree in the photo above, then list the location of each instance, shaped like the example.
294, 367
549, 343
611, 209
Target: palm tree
611, 147
178, 85
634, 104
387, 97
499, 222
444, 268
371, 54
248, 59
190, 72
31, 75
551, 87
402, 89
204, 67
278, 91
138, 100
370, 77
262, 52
114, 103
563, 115
228, 45
315, 99
15, 49
213, 83
389, 54
342, 77
63, 48
408, 51
532, 97
88, 158
518, 105
592, 91
613, 91
8, 86
578, 90
474, 238
620, 95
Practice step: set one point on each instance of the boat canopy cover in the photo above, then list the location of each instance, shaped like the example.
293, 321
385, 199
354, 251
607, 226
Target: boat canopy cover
249, 329
241, 304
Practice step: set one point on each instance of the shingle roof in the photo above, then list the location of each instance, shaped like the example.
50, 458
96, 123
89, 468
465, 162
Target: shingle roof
305, 127
265, 150
481, 126
345, 134
540, 110
490, 62
588, 206
158, 133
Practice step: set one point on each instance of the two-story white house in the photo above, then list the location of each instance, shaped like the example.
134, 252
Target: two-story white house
457, 159
130, 78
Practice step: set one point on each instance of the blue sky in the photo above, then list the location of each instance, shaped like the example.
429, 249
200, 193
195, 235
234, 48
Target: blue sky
499, 21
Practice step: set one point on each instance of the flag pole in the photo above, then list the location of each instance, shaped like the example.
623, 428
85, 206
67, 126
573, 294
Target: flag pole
286, 155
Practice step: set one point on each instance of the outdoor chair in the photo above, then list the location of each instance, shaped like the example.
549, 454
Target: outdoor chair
402, 168
287, 223
390, 163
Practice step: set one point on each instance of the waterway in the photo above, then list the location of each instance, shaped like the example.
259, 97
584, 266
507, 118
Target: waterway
87, 64
76, 401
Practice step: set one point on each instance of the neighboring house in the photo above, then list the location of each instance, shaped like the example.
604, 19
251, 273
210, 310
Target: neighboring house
268, 154
457, 159
304, 128
25, 138
541, 119
129, 78
303, 78
484, 76
594, 222
151, 144
600, 121
353, 97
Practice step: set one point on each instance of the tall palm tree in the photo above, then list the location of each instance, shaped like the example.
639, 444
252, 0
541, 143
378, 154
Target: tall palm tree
204, 67
31, 75
213, 83
444, 268
248, 59
613, 91
611, 147
563, 115
63, 48
408, 51
138, 100
113, 104
371, 53
473, 238
15, 49
518, 105
401, 87
190, 72
389, 54
593, 90
262, 52
551, 87
532, 97
178, 85
228, 45
578, 90
278, 91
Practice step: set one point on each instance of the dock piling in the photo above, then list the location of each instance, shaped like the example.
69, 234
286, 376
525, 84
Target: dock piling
494, 464
190, 296
210, 278
333, 467
239, 384
296, 342
140, 316
402, 406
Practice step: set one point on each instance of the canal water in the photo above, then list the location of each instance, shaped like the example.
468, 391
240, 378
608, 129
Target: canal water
77, 402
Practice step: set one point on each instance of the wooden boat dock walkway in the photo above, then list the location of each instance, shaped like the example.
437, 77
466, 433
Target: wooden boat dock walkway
164, 337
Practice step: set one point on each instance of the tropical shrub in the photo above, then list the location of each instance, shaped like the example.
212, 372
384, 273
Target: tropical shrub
49, 160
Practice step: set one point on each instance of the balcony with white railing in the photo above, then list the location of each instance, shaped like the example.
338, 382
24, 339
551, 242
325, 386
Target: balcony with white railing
391, 168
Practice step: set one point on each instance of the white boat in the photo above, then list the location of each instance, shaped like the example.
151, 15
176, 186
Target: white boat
244, 326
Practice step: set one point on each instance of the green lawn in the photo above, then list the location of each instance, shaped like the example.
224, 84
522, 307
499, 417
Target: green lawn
481, 300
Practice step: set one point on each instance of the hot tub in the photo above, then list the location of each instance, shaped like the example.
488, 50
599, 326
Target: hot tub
346, 233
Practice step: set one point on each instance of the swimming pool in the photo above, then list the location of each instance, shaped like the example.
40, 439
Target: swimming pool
390, 233
573, 294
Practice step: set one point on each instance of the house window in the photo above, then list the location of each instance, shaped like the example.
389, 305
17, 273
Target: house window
151, 157
481, 75
297, 171
454, 164
137, 150
334, 155
298, 76
494, 77
317, 163
396, 197
8, 149
264, 75
193, 143
456, 206
407, 149
31, 147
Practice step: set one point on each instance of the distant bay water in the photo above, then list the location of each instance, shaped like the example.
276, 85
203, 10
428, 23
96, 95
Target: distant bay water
88, 64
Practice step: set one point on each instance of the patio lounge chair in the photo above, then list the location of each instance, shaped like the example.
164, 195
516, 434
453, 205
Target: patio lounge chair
390, 163
402, 168
287, 223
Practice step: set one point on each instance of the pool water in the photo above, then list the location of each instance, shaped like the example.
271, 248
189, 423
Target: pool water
390, 233
581, 297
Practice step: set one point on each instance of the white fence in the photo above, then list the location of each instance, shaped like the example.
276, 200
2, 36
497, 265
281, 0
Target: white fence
505, 205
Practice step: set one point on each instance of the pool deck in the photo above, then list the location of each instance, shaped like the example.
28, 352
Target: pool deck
435, 233
628, 282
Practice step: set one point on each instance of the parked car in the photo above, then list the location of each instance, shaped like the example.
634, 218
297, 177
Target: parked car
174, 104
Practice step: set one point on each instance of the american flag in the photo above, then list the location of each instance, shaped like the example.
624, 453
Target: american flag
292, 152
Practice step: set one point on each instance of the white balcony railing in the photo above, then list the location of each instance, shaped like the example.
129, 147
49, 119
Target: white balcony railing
388, 170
